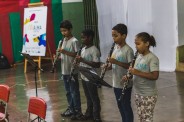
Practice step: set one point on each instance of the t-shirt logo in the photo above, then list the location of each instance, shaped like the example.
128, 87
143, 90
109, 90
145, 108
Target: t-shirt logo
121, 59
142, 66
67, 49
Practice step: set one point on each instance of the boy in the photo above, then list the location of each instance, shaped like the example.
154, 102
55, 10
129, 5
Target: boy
90, 58
69, 48
119, 62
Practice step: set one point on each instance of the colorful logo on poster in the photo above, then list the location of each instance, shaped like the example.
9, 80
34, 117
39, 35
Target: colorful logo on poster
41, 40
32, 17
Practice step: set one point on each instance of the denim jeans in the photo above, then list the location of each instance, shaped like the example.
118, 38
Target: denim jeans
93, 101
125, 104
72, 92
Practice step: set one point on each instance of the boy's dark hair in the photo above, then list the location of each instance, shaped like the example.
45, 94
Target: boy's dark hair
120, 28
88, 33
66, 24
147, 38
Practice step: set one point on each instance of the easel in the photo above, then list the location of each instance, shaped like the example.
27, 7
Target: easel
36, 58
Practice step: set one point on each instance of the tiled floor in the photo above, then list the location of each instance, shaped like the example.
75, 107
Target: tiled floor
169, 108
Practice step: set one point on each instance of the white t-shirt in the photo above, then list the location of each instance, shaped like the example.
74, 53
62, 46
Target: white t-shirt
71, 45
147, 63
123, 54
89, 54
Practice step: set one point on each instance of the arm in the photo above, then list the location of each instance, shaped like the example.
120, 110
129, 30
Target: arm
95, 58
149, 75
72, 54
114, 61
75, 46
154, 70
129, 57
90, 63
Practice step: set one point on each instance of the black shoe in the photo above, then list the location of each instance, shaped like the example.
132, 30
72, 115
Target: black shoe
98, 120
88, 117
77, 116
99, 86
67, 113
89, 113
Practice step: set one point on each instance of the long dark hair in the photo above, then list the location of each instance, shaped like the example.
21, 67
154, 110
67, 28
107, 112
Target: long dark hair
147, 38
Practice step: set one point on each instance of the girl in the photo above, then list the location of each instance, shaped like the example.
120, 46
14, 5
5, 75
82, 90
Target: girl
146, 72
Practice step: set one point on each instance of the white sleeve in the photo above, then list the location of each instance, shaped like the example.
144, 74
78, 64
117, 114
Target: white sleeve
96, 55
76, 45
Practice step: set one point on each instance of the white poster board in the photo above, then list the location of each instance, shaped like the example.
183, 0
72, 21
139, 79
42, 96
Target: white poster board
34, 31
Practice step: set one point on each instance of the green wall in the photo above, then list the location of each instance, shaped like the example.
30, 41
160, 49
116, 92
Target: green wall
74, 12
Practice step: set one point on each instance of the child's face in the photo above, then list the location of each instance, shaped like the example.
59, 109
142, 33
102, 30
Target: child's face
117, 37
141, 46
65, 32
85, 40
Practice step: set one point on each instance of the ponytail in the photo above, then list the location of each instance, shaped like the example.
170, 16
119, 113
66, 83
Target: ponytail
147, 38
152, 41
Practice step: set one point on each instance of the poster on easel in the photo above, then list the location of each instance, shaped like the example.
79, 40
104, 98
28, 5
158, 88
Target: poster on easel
34, 31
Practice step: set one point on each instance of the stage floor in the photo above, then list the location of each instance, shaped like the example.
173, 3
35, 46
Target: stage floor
169, 107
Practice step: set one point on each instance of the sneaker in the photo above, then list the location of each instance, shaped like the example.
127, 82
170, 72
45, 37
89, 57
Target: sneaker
67, 113
77, 116
98, 120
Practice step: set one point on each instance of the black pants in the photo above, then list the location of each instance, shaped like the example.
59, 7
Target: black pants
93, 101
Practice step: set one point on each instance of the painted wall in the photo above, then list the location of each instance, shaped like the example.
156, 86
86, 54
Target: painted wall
73, 11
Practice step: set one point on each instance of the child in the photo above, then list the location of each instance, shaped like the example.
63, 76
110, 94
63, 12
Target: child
146, 72
120, 61
90, 58
68, 51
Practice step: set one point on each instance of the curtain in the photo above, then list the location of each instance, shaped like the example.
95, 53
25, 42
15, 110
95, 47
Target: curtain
165, 30
50, 26
57, 17
110, 12
139, 19
158, 18
5, 36
0, 46
16, 34
34, 1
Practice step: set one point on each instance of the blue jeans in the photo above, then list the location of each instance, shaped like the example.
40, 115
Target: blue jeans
72, 92
125, 104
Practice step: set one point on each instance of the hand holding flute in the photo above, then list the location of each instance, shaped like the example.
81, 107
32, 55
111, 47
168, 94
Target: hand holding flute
75, 62
128, 76
106, 65
58, 52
